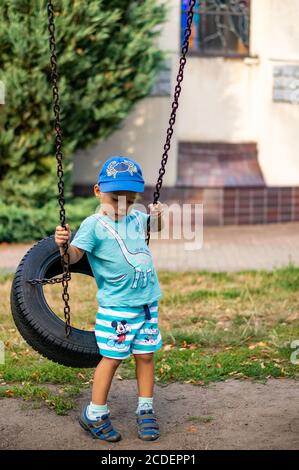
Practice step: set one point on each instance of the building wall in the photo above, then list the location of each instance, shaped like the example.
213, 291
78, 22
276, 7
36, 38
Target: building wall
274, 39
144, 131
141, 138
223, 100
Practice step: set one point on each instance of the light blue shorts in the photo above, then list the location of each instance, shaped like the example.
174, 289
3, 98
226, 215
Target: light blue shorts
122, 331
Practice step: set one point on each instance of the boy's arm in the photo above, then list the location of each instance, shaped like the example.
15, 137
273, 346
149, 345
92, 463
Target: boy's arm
62, 235
156, 213
74, 252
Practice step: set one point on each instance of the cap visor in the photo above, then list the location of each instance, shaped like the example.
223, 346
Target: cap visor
134, 186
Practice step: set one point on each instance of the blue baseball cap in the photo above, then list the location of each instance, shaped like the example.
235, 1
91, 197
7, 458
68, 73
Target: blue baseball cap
121, 174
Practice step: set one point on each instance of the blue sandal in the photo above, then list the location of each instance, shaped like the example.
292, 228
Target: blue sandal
147, 426
101, 429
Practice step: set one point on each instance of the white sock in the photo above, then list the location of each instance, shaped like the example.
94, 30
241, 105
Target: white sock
144, 403
96, 411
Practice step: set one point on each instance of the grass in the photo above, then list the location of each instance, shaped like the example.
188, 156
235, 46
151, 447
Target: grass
61, 401
215, 326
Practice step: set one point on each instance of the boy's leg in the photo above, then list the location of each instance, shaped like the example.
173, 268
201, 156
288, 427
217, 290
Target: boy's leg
102, 379
148, 428
145, 369
95, 416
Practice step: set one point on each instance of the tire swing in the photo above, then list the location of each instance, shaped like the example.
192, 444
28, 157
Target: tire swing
38, 324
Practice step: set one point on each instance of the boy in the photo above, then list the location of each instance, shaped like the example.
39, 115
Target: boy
127, 317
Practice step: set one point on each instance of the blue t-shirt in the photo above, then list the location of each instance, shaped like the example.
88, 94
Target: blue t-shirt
120, 259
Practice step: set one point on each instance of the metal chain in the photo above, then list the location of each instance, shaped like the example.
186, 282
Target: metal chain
59, 156
65, 258
175, 105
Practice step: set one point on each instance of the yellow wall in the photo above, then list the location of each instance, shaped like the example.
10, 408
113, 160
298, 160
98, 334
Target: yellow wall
223, 99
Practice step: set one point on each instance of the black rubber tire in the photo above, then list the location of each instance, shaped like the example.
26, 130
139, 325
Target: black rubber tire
35, 320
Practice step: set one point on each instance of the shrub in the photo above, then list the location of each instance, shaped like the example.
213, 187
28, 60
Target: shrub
108, 60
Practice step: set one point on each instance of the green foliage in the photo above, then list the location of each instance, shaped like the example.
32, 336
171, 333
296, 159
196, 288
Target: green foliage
108, 60
23, 224
61, 402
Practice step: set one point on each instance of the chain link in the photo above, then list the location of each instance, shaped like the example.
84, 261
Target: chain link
65, 257
174, 106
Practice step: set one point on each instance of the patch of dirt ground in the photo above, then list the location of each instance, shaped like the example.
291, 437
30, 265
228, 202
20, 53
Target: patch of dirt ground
226, 415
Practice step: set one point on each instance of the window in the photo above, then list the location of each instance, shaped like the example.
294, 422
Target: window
220, 27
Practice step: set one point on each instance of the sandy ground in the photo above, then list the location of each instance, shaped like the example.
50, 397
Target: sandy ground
245, 415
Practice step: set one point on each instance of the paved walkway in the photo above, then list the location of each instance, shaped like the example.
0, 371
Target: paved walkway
233, 248
226, 248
